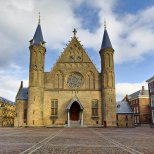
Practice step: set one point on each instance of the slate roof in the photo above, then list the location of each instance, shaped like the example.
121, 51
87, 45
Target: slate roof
106, 43
122, 107
22, 94
4, 100
138, 93
38, 37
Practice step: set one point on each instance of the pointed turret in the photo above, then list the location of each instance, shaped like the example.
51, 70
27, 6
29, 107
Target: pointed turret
106, 43
108, 81
36, 78
38, 37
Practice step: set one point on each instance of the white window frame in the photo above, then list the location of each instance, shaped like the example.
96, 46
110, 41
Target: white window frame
151, 87
152, 101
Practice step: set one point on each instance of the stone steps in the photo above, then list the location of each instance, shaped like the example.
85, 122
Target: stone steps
75, 123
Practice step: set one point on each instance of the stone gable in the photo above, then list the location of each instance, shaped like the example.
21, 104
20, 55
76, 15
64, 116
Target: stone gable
73, 60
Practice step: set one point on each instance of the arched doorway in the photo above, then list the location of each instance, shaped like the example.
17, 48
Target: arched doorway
75, 111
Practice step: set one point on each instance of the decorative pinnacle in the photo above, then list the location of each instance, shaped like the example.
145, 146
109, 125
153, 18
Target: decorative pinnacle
39, 18
104, 23
74, 32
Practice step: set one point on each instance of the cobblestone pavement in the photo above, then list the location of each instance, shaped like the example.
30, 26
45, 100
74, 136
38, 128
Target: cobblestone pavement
77, 140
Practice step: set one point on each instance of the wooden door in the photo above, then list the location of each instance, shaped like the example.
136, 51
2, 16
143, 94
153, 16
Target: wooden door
74, 112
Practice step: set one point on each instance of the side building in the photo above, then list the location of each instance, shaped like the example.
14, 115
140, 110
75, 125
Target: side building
125, 115
139, 102
7, 112
151, 99
21, 107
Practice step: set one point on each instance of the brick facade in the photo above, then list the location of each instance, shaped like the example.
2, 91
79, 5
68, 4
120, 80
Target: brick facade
151, 99
139, 102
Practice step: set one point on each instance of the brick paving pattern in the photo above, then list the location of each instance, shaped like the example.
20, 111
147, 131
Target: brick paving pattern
138, 140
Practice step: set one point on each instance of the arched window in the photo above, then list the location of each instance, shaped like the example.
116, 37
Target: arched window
105, 79
90, 81
107, 60
111, 59
59, 80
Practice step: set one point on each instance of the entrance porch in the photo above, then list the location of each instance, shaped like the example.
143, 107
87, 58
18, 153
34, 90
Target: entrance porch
74, 113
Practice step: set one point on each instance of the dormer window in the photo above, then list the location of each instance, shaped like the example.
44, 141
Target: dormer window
31, 42
118, 106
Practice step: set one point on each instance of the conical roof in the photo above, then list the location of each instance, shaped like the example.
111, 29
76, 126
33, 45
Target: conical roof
38, 37
106, 43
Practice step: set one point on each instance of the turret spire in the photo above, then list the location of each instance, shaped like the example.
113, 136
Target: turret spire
105, 24
39, 18
106, 43
38, 37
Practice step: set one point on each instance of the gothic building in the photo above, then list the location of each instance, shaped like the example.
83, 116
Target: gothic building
73, 92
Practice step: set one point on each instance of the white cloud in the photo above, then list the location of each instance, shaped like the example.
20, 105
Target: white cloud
10, 86
58, 19
131, 34
128, 88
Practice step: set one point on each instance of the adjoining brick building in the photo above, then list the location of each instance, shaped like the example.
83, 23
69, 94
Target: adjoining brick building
73, 92
125, 115
151, 98
139, 102
7, 112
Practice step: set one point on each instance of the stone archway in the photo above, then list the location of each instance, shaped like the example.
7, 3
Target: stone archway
75, 111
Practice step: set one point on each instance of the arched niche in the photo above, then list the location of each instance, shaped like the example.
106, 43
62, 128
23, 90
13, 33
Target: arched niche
90, 80
58, 80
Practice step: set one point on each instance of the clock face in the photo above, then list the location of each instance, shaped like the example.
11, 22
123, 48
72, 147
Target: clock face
74, 80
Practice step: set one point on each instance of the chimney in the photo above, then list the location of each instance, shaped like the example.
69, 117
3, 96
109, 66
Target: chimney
21, 85
142, 90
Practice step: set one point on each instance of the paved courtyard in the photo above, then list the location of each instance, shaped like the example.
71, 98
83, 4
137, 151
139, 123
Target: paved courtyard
77, 140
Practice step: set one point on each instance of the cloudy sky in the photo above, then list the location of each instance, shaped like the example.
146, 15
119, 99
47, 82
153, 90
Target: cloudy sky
130, 24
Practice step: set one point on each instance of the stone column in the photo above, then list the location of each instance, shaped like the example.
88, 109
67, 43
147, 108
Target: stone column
82, 118
68, 118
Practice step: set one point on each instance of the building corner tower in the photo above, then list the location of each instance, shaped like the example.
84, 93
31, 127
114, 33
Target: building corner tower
108, 82
36, 79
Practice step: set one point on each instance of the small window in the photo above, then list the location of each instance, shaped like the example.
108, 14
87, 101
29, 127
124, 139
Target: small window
54, 107
152, 101
94, 108
126, 124
126, 118
25, 113
138, 119
137, 109
151, 86
118, 106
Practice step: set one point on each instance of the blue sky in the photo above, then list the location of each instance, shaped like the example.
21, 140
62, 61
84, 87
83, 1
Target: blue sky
130, 25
